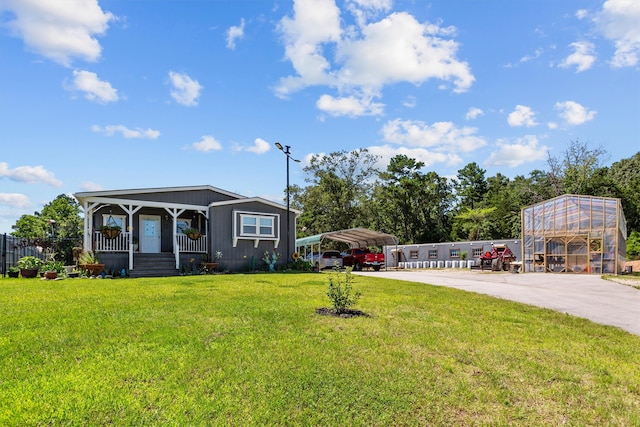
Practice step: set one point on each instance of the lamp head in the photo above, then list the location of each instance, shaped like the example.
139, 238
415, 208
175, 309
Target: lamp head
279, 146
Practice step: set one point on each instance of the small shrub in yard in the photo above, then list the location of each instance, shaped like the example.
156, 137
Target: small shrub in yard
341, 291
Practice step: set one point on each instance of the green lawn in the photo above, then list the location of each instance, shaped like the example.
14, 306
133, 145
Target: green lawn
250, 350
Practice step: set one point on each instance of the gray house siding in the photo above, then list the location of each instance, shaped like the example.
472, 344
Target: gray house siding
245, 254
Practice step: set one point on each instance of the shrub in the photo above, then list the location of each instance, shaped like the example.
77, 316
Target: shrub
29, 263
340, 290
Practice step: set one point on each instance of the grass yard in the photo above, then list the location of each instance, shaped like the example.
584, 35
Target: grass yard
250, 350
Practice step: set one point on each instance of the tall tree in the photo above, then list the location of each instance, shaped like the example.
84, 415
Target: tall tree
572, 173
470, 185
340, 184
410, 204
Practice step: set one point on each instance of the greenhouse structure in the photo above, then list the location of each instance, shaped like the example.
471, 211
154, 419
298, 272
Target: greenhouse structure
574, 234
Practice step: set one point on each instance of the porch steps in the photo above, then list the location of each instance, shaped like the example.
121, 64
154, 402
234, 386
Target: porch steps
154, 265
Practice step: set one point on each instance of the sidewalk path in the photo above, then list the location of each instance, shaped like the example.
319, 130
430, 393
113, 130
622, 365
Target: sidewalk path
587, 296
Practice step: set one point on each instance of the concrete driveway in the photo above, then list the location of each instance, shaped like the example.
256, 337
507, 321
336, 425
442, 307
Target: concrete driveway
587, 296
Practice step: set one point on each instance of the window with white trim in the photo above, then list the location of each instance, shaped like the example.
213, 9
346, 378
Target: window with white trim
433, 253
182, 224
454, 253
257, 225
477, 252
119, 220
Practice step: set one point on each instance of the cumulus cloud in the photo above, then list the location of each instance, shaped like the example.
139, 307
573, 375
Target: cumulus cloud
618, 22
360, 60
583, 56
185, 91
207, 143
428, 157
473, 113
90, 186
59, 30
29, 175
523, 150
15, 200
522, 116
260, 146
234, 33
352, 106
440, 136
573, 113
136, 133
94, 89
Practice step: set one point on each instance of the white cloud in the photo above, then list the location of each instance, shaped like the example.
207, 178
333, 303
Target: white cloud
90, 186
537, 53
206, 144
524, 150
349, 106
410, 101
582, 13
260, 146
440, 136
15, 200
136, 133
573, 113
94, 88
29, 175
185, 90
522, 116
552, 125
234, 33
473, 113
59, 30
428, 157
360, 60
618, 22
582, 57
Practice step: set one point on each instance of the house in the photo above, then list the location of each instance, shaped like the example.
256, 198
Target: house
152, 220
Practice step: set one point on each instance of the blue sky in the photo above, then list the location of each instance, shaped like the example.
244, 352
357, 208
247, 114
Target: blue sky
99, 95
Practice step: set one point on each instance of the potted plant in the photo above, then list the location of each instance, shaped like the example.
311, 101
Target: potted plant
135, 244
52, 269
89, 261
29, 266
192, 233
110, 231
213, 265
14, 272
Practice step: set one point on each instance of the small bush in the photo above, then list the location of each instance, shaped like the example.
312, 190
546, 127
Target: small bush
340, 290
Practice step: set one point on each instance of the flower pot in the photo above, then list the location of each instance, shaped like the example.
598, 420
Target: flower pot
13, 274
50, 275
111, 234
29, 273
194, 236
212, 266
93, 269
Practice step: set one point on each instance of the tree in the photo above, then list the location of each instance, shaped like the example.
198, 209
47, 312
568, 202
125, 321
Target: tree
625, 174
572, 173
476, 222
58, 225
471, 185
340, 184
410, 204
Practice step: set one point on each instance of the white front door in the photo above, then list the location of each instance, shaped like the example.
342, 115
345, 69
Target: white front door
150, 233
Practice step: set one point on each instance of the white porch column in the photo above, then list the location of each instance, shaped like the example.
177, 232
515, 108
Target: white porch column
175, 213
130, 210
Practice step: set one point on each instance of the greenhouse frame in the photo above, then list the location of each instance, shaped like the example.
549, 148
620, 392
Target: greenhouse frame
574, 234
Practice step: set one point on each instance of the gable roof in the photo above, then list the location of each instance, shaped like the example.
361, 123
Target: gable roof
115, 193
354, 237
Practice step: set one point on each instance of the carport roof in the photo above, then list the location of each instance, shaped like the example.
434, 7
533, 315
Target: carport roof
354, 237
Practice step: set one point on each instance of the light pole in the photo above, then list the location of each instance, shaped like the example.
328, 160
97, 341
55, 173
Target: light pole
287, 153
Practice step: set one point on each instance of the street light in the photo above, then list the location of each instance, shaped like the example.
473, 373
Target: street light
287, 153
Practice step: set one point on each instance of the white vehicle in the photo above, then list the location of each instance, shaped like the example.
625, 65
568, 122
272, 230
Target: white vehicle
326, 259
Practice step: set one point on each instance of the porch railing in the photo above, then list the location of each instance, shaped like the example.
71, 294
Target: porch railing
121, 243
118, 244
188, 245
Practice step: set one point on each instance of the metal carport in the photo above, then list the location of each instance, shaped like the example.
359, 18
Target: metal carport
354, 237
